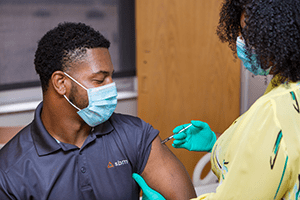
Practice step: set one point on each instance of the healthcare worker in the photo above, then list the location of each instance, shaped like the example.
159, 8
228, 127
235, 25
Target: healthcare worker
258, 156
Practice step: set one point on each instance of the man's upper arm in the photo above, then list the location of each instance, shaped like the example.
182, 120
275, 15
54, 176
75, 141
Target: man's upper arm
166, 174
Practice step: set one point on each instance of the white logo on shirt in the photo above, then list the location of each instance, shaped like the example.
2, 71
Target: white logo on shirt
121, 162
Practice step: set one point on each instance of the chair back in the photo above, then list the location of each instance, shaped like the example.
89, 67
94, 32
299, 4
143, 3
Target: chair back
209, 183
7, 133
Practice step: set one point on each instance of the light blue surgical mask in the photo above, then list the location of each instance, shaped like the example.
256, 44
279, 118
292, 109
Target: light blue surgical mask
102, 103
241, 53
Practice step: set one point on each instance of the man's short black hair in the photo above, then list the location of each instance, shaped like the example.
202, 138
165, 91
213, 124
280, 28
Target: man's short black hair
64, 44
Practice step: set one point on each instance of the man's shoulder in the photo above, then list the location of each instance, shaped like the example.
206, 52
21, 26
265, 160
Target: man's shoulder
16, 149
124, 119
131, 124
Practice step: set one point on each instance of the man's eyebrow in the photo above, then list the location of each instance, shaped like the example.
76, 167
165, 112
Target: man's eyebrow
102, 72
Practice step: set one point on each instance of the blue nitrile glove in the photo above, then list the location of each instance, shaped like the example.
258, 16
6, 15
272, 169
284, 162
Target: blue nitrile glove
198, 137
148, 193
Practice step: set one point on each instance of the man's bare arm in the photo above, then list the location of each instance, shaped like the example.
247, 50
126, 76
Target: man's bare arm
166, 174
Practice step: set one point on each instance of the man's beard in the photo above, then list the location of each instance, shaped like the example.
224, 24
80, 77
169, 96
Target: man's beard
79, 102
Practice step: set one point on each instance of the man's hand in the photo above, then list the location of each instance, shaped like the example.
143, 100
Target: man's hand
198, 137
148, 193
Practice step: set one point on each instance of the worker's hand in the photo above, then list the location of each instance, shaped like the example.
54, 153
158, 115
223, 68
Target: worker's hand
148, 193
198, 137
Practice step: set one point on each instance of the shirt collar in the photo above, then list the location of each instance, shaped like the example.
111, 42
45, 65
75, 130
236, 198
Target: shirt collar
43, 141
45, 144
104, 128
276, 79
271, 86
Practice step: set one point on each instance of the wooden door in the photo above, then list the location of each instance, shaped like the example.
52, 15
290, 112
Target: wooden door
184, 72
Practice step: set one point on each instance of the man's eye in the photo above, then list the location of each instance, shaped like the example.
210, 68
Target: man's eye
99, 81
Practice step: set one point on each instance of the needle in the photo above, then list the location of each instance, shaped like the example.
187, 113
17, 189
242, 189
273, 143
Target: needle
169, 138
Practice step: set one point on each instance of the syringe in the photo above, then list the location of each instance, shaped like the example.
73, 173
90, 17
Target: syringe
169, 138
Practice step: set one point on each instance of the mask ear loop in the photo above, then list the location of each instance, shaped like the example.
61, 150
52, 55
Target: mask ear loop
75, 81
72, 103
79, 85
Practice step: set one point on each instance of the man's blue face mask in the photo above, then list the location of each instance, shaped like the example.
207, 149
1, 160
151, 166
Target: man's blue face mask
241, 53
102, 103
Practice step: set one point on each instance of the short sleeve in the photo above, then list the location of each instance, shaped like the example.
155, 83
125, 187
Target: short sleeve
133, 137
144, 144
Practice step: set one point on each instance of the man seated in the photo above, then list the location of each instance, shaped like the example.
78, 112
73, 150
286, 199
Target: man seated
77, 147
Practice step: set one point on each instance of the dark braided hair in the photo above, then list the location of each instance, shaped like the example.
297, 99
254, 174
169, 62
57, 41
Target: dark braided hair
272, 30
62, 45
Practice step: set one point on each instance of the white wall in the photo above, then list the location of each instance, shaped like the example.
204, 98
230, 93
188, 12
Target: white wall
17, 106
125, 106
252, 87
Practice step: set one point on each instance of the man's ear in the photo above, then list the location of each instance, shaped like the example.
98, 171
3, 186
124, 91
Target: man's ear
59, 82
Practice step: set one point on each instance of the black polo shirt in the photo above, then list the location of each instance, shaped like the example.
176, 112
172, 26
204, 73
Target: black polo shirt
33, 165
